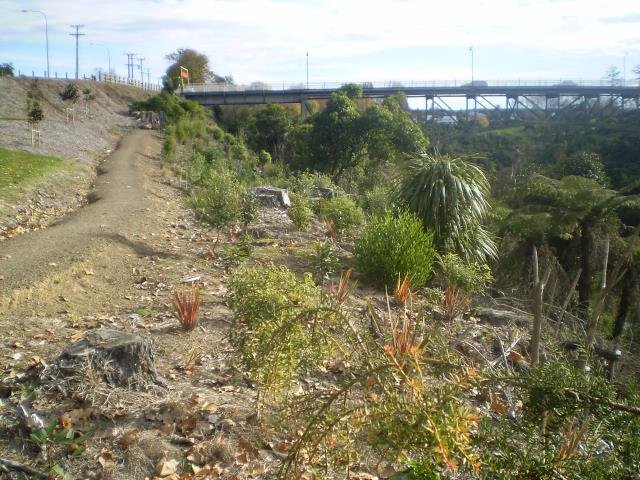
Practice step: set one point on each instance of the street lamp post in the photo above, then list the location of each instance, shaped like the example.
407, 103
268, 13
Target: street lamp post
108, 54
472, 76
46, 33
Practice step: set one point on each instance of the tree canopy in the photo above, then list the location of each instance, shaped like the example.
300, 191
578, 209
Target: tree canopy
197, 64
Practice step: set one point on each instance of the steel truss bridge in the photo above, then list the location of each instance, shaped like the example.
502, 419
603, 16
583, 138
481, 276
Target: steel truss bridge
518, 99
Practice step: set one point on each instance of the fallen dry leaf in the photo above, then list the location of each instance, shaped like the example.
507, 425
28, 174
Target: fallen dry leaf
129, 438
165, 467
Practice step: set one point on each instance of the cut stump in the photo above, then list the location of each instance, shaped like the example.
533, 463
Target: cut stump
119, 359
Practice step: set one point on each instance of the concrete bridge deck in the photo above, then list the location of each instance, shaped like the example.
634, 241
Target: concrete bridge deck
217, 94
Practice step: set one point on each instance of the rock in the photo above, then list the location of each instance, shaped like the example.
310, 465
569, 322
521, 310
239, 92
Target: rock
324, 192
271, 197
499, 318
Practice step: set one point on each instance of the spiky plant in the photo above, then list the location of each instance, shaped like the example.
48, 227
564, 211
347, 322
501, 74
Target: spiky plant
451, 197
187, 304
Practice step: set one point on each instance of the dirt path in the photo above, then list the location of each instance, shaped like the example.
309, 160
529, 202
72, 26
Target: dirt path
119, 198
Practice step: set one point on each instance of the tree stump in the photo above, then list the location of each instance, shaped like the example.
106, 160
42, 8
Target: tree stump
119, 359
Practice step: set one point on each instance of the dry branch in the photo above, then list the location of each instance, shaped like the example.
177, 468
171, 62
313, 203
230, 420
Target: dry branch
21, 467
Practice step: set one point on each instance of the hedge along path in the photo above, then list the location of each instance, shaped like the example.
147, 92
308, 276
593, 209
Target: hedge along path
118, 198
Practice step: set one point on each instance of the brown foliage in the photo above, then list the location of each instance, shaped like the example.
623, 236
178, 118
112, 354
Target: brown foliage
187, 304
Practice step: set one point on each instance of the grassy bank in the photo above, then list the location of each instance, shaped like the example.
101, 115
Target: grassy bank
21, 169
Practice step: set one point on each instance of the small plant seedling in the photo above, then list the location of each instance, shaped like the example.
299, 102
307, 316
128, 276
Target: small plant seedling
187, 304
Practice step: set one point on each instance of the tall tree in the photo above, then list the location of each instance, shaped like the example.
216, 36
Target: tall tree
570, 208
197, 64
270, 128
343, 136
613, 75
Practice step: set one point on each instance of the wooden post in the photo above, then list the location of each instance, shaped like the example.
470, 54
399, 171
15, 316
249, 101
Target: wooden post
538, 302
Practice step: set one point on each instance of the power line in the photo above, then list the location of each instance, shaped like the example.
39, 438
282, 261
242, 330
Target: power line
77, 34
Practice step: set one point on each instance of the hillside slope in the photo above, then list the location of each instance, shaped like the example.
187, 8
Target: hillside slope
85, 142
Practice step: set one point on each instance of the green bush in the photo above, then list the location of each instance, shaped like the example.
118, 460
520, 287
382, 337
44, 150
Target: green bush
567, 429
264, 157
343, 213
239, 253
299, 211
277, 328
378, 201
249, 209
70, 93
472, 277
169, 145
306, 182
35, 114
324, 260
393, 246
6, 70
218, 201
173, 107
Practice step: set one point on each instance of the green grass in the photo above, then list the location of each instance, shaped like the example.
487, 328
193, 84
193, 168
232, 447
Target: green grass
20, 169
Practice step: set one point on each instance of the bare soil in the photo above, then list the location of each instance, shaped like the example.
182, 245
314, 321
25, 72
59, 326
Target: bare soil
86, 141
115, 263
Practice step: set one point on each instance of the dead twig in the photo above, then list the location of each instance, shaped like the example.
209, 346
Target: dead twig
505, 351
21, 467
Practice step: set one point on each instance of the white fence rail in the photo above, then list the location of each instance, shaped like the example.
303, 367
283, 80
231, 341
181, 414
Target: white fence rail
101, 77
283, 86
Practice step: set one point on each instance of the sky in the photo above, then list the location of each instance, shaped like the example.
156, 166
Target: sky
346, 40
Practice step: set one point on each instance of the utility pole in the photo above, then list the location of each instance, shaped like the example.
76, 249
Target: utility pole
140, 60
148, 73
46, 34
307, 70
77, 34
130, 65
472, 77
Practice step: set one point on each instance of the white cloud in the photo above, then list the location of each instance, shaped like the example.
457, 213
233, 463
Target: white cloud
258, 39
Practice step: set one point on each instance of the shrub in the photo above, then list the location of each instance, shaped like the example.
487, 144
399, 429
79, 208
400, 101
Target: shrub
236, 255
461, 280
248, 210
378, 201
305, 183
393, 246
324, 260
218, 201
567, 429
276, 331
168, 146
264, 157
70, 93
299, 211
216, 132
35, 114
343, 213
6, 70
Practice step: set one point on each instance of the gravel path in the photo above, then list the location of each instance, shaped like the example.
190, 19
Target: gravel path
118, 197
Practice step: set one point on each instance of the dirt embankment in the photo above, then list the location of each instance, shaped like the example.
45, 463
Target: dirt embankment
85, 141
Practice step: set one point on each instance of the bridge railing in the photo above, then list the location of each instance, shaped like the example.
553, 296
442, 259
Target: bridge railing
284, 86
